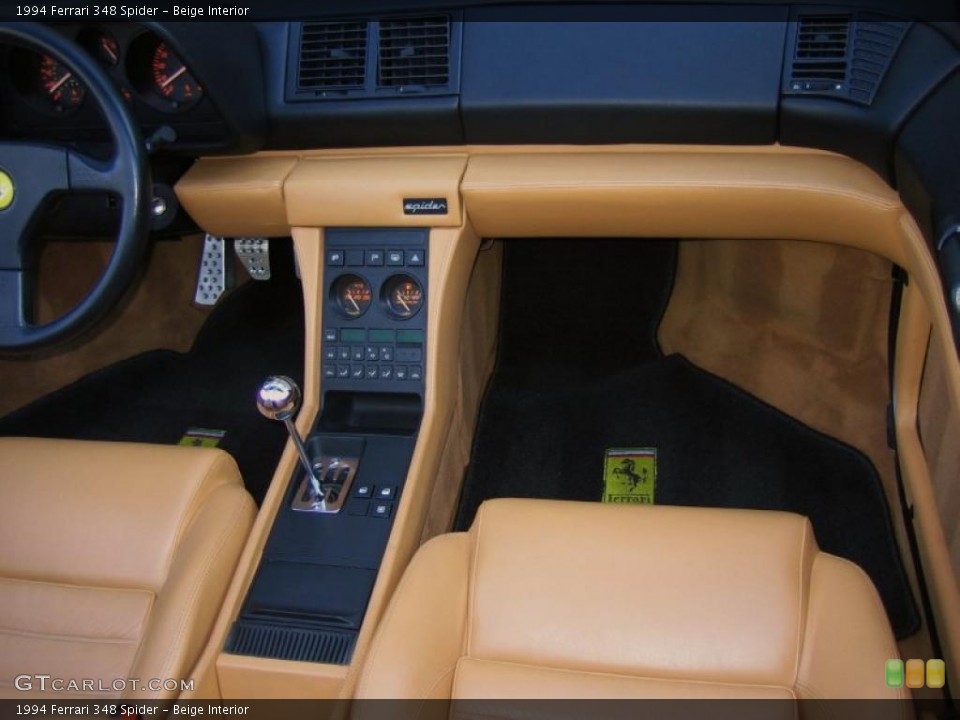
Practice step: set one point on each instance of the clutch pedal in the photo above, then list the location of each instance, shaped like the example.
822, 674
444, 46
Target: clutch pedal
254, 254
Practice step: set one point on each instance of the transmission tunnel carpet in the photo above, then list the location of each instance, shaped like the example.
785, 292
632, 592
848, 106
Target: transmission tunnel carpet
157, 396
579, 372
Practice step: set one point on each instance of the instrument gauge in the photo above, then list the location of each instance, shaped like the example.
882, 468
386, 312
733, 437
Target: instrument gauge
352, 295
58, 84
402, 296
102, 45
172, 80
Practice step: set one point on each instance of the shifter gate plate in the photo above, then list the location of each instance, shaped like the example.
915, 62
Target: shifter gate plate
630, 475
202, 437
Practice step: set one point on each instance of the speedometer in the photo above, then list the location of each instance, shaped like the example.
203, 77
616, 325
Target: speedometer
171, 79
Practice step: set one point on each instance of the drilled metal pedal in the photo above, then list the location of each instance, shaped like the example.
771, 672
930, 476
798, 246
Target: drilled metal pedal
254, 254
216, 271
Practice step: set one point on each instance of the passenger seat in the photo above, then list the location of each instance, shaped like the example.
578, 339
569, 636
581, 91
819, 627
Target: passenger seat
550, 600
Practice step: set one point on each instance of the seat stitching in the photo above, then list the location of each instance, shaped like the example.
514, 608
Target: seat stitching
800, 608
68, 638
75, 586
472, 587
596, 673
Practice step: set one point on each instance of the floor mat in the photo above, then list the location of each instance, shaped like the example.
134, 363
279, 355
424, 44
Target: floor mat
567, 388
155, 397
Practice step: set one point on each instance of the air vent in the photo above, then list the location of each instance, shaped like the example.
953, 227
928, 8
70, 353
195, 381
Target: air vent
822, 45
414, 53
319, 645
874, 45
333, 56
842, 56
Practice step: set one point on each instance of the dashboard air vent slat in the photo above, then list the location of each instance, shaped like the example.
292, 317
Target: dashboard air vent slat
842, 56
414, 52
333, 56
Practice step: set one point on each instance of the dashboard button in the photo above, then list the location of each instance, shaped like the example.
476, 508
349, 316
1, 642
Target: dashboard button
343, 371
395, 257
330, 335
416, 373
381, 509
386, 354
335, 257
364, 491
415, 258
374, 257
357, 354
372, 354
343, 353
329, 371
386, 372
330, 352
356, 372
400, 372
386, 493
372, 372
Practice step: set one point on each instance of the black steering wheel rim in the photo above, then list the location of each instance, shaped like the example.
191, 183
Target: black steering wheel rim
126, 174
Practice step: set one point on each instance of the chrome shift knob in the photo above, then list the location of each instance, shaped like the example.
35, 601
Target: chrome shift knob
278, 398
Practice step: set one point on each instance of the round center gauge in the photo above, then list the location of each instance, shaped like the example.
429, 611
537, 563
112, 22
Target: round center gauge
352, 295
172, 80
403, 296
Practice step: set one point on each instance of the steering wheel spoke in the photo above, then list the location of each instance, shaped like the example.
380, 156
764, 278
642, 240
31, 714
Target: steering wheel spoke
86, 173
16, 302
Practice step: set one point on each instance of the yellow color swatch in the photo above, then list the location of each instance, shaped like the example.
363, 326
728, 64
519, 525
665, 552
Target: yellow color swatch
915, 673
936, 673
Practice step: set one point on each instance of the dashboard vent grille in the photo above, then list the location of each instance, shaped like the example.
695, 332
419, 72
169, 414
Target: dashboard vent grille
333, 56
822, 44
874, 45
414, 53
842, 56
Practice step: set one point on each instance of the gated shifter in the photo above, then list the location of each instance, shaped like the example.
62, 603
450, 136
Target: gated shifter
279, 399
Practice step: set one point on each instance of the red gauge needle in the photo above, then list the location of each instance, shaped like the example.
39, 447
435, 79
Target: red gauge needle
173, 77
354, 303
110, 52
57, 85
405, 306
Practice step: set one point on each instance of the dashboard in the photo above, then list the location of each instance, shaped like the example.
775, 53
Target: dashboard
883, 89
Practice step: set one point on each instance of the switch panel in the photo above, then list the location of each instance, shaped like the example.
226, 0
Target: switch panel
374, 311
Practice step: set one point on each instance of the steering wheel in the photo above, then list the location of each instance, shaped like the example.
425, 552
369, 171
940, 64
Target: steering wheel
34, 173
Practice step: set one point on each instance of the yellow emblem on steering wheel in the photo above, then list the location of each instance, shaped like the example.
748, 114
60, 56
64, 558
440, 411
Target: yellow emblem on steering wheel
6, 190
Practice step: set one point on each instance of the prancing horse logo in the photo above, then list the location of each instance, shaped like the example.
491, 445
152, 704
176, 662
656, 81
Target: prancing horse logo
628, 468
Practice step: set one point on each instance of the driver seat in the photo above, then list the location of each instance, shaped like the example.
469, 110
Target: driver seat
114, 562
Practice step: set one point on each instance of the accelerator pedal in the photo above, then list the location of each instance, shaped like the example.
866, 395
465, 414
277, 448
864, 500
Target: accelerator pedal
254, 254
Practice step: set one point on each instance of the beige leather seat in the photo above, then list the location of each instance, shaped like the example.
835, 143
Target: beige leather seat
547, 599
114, 560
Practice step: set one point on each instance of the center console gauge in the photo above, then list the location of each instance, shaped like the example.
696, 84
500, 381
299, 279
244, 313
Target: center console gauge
352, 295
402, 296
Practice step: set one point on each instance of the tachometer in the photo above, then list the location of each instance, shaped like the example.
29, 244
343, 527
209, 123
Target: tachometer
171, 79
59, 85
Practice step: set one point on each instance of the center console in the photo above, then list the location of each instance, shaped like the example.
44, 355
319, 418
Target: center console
308, 598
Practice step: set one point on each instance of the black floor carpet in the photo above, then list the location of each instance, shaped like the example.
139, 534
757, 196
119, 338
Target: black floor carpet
579, 371
155, 397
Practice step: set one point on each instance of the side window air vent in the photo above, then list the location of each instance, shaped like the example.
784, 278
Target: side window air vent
822, 44
333, 56
414, 53
841, 56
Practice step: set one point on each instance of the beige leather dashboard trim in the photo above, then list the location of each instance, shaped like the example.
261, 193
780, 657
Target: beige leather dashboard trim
746, 192
699, 195
369, 192
238, 197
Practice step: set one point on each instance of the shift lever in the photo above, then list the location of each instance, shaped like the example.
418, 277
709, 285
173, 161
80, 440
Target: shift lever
279, 399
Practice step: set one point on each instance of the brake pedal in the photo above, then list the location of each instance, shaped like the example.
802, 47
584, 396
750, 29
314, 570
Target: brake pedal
216, 271
254, 254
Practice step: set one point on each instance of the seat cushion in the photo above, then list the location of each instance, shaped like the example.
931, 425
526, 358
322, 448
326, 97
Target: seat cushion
546, 599
114, 560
